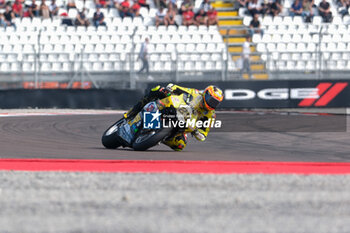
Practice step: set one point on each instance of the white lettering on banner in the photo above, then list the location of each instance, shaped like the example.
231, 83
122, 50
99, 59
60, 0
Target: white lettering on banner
239, 94
302, 93
192, 124
274, 94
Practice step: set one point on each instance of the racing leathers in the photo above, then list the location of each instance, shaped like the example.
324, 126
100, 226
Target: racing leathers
194, 99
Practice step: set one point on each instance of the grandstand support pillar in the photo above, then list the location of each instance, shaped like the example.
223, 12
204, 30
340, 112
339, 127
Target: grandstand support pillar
37, 63
132, 62
319, 52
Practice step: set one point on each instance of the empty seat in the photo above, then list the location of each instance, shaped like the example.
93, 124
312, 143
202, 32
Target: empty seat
56, 66
28, 67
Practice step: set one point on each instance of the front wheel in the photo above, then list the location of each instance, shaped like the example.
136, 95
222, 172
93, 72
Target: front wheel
110, 136
150, 139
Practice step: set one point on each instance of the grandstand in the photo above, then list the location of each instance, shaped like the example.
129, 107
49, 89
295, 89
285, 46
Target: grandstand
49, 51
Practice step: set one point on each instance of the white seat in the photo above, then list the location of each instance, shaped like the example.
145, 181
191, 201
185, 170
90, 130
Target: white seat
277, 20
157, 66
58, 48
26, 21
317, 20
160, 48
209, 65
108, 66
246, 20
66, 67
144, 12
48, 48
336, 56
310, 65
167, 66
341, 64
305, 56
291, 47
27, 67
341, 46
266, 38
116, 21
296, 56
346, 19
300, 65
256, 38
331, 47
298, 20
99, 48
337, 20
267, 20
297, 38
36, 22
206, 38
261, 48
271, 47
46, 23
170, 48
315, 38
311, 47
217, 38
180, 48
127, 21
190, 47
5, 67
286, 38
188, 66
200, 47
301, 47
276, 38
281, 47
45, 67
152, 12
287, 20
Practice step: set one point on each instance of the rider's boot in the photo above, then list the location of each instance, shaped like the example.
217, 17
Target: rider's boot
177, 142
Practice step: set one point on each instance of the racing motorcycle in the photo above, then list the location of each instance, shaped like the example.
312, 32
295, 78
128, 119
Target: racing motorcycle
134, 132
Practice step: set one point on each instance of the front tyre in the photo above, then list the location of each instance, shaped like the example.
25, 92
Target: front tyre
110, 136
150, 139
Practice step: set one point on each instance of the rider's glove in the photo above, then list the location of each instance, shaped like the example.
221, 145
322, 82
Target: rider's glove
198, 135
165, 91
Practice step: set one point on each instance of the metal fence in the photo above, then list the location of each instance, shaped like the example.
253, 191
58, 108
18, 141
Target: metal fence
104, 67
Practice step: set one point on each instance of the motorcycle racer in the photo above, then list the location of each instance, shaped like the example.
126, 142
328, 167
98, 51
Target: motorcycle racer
204, 103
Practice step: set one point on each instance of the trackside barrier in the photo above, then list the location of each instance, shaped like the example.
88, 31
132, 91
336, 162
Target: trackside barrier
279, 94
68, 98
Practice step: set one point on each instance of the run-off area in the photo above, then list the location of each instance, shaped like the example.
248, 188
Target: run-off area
120, 202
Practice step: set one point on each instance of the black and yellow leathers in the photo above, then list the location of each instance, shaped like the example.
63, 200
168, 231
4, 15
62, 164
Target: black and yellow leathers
194, 100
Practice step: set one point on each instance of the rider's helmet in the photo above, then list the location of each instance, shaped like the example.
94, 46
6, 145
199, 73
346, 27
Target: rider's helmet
212, 97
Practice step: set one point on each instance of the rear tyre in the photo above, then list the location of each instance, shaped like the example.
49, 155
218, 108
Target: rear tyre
150, 139
110, 136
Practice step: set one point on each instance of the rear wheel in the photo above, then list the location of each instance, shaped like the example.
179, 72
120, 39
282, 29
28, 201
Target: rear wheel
150, 139
110, 136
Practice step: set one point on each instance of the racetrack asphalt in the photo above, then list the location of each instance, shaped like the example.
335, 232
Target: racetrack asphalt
79, 137
53, 202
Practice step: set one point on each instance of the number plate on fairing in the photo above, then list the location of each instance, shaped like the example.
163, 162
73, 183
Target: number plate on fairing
125, 133
128, 131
